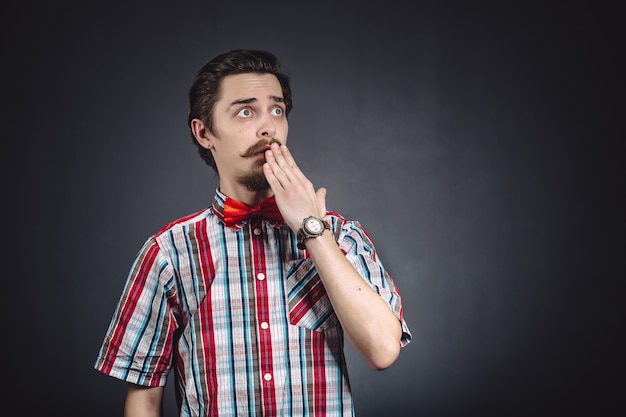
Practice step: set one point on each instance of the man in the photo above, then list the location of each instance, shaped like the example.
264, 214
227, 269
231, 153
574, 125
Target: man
250, 309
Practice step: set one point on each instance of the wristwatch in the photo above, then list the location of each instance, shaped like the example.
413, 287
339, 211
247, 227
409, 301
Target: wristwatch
311, 227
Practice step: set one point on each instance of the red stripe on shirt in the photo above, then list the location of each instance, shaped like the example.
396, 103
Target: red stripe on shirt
319, 373
127, 307
205, 316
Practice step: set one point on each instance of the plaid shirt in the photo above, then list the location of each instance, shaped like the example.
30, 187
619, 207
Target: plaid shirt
242, 316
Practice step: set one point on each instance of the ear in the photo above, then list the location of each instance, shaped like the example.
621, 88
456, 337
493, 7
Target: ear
201, 133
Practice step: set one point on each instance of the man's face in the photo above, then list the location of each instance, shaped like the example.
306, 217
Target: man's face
249, 115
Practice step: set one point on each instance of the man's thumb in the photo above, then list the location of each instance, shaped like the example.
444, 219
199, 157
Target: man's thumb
321, 198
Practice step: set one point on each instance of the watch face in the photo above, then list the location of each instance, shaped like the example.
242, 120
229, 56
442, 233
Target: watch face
314, 226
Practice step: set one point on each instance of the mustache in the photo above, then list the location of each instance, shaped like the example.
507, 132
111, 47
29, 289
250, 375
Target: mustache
260, 146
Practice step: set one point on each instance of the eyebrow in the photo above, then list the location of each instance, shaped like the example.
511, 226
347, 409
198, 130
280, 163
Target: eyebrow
253, 99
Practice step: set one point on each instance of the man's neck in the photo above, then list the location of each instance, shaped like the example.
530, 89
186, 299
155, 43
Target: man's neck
251, 198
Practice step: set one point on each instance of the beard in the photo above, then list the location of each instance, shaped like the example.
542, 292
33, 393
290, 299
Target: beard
254, 180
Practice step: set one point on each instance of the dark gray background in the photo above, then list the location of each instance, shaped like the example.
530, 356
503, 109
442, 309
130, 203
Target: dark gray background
480, 146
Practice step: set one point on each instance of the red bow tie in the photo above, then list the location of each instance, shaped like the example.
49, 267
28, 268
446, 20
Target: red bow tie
236, 211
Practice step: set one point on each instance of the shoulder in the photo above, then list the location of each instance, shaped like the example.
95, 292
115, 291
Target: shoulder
185, 222
344, 227
348, 232
338, 221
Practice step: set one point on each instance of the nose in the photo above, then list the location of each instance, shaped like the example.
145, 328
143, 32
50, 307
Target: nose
267, 129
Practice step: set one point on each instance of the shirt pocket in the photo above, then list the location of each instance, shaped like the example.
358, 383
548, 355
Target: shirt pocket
309, 305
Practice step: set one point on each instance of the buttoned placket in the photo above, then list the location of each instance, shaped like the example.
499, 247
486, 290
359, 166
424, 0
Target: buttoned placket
262, 313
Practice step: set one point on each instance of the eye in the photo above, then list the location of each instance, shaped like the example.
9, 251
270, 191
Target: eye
245, 112
277, 111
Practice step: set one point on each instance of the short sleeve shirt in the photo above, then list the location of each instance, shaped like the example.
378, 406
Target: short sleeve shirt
241, 316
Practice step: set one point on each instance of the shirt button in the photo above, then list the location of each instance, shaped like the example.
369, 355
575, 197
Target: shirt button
267, 377
257, 231
264, 325
260, 276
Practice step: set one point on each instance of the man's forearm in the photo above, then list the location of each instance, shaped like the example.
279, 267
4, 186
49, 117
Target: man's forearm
368, 322
143, 401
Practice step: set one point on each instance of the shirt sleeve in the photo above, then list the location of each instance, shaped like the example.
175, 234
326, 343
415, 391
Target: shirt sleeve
138, 347
356, 244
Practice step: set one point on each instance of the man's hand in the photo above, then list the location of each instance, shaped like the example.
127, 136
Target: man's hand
295, 195
368, 322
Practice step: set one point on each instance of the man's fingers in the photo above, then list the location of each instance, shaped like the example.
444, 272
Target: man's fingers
285, 160
275, 178
277, 170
